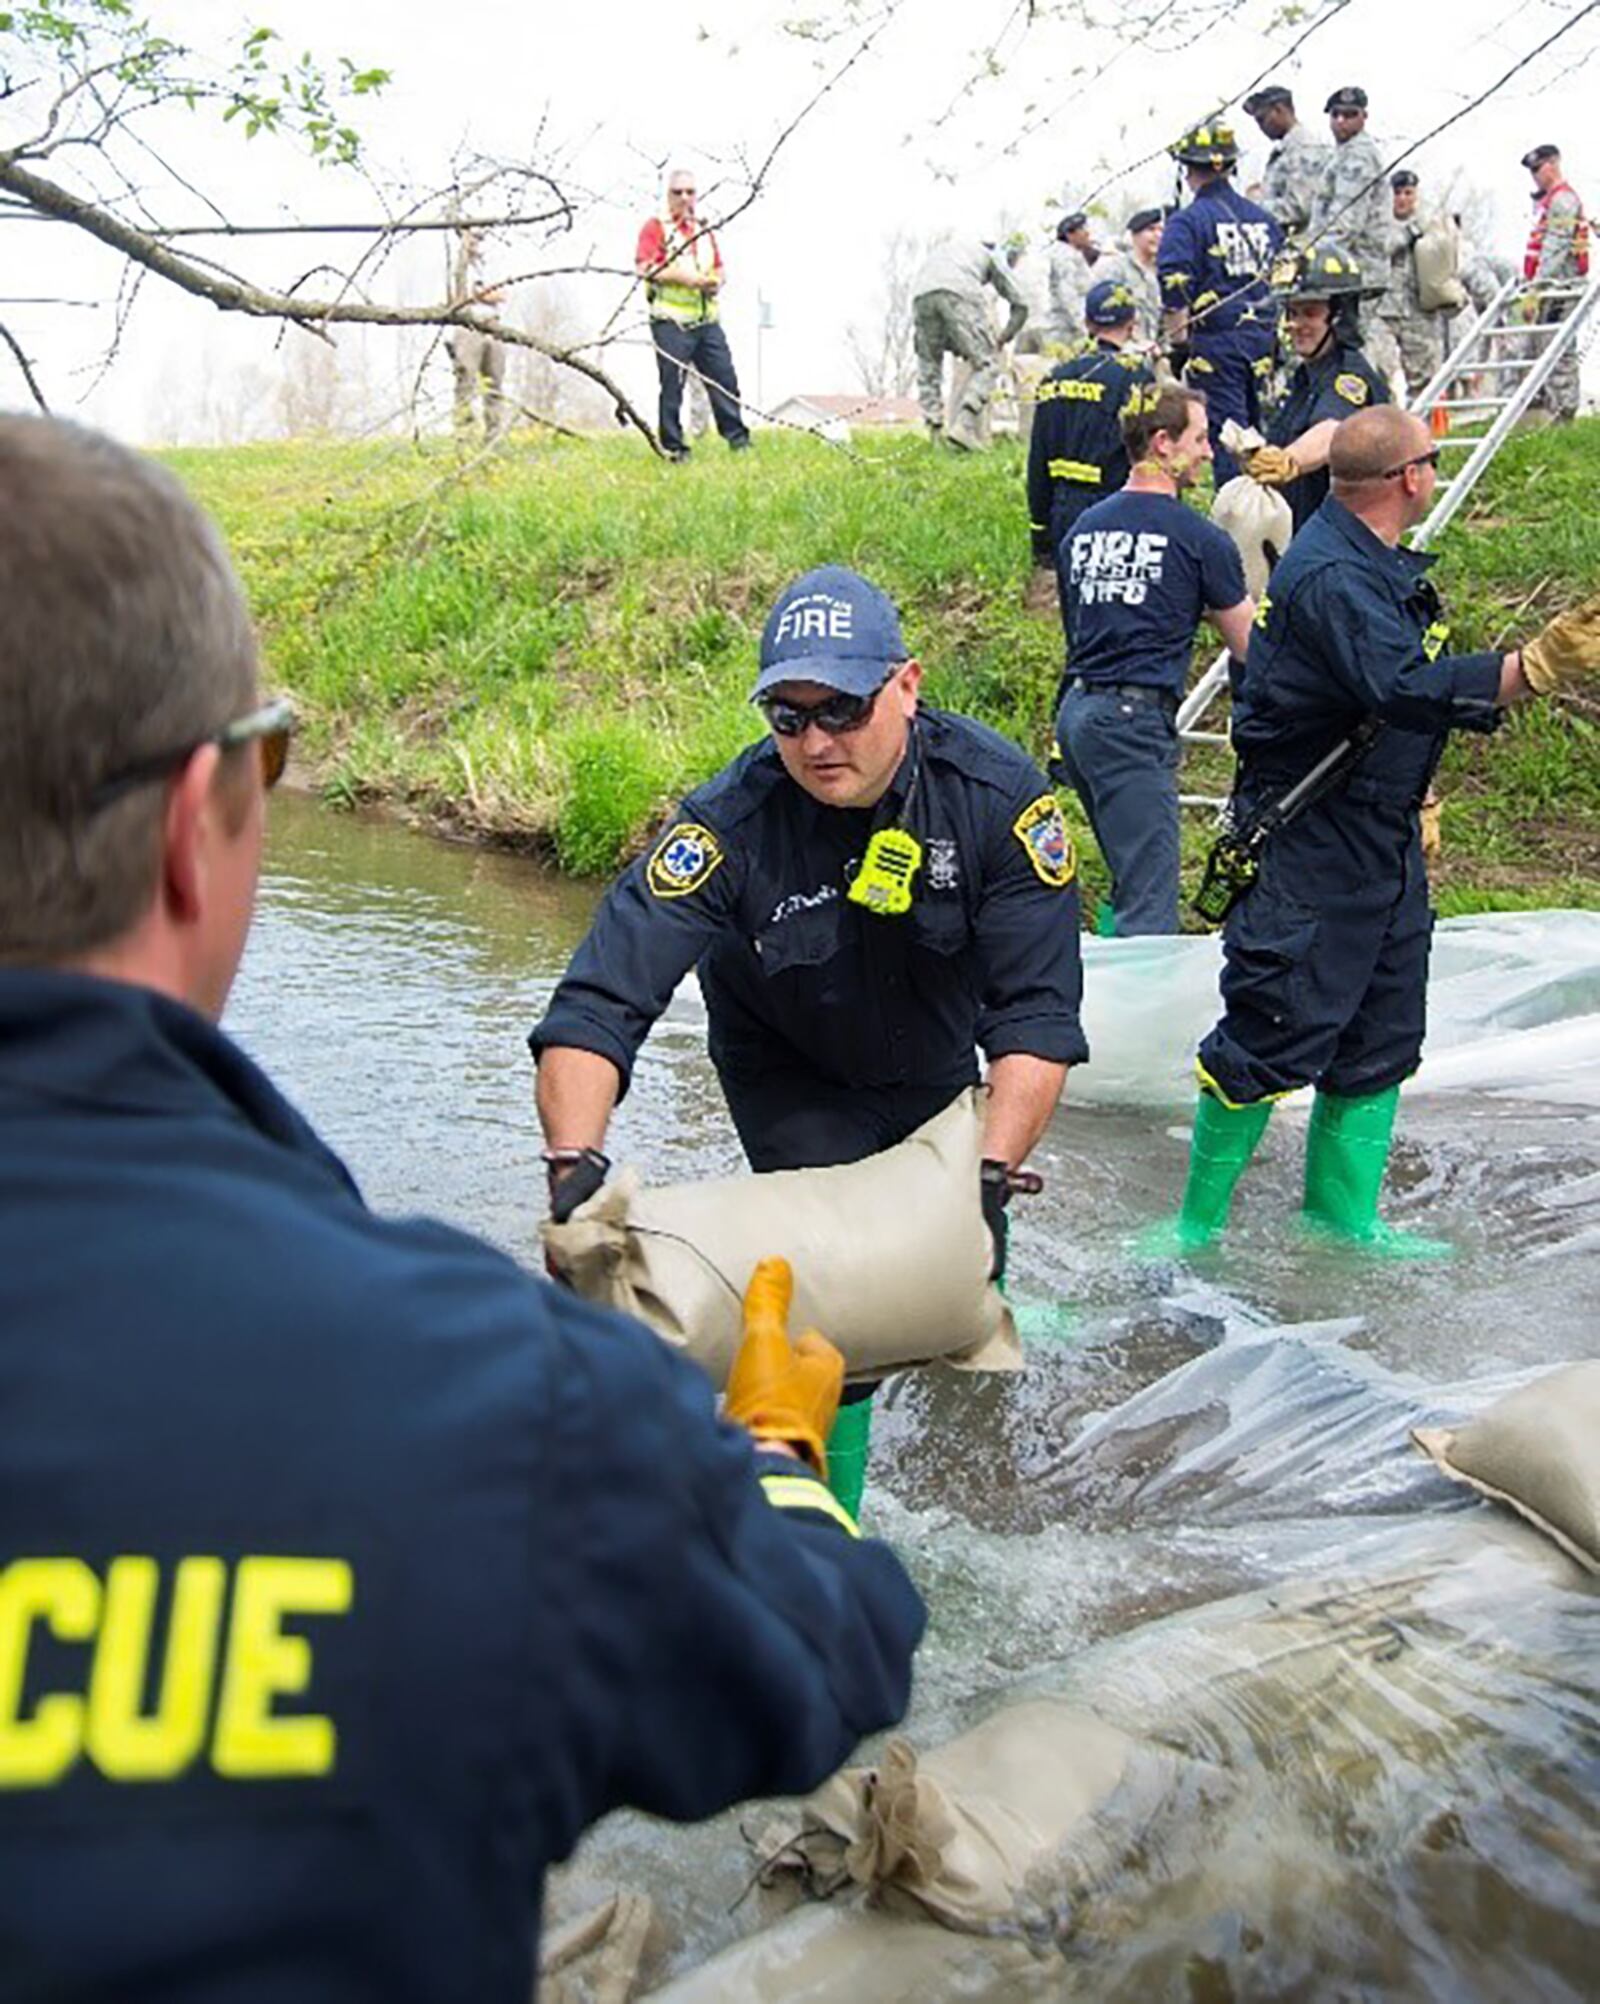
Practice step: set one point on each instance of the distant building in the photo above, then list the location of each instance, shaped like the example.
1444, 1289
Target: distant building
832, 417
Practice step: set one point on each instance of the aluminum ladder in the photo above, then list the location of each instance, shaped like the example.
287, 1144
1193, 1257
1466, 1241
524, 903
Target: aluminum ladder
1498, 344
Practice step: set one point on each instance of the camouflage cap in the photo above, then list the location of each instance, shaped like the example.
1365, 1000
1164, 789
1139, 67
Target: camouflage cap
1349, 97
1536, 156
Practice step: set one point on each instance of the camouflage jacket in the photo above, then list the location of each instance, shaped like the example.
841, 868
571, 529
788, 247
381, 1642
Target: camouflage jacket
1294, 174
1353, 208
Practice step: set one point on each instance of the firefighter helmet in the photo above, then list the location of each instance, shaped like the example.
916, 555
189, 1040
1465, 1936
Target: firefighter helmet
1210, 144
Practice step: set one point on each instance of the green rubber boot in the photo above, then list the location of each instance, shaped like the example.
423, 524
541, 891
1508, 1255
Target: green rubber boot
847, 1453
1347, 1149
1225, 1138
1105, 920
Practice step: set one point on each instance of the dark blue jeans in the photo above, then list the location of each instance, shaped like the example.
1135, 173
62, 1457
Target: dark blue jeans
705, 350
1121, 755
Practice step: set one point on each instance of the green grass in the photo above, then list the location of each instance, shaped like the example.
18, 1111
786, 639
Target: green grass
549, 652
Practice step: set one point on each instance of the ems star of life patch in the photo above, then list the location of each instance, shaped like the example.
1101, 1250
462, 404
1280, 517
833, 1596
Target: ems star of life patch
1045, 840
685, 856
1353, 389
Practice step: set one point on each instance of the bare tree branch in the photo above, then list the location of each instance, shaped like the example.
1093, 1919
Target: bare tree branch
34, 390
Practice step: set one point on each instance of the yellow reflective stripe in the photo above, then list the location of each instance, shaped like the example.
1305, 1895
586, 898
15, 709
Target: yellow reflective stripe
804, 1492
1237, 1105
1075, 469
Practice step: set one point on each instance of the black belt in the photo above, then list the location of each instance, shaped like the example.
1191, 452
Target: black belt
1136, 692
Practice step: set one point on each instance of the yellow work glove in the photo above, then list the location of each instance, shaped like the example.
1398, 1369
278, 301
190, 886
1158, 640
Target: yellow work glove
1272, 466
778, 1390
1566, 653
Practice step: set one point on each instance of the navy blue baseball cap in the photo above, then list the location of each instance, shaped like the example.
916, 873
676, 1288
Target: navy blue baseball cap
1110, 304
832, 627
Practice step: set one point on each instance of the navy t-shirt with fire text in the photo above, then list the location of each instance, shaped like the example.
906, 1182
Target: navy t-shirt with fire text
1141, 570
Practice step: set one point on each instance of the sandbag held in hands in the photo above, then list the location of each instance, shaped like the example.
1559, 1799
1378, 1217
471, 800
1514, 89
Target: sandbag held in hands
890, 1256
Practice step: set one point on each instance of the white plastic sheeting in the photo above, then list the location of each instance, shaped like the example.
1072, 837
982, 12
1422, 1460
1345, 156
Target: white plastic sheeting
1513, 1008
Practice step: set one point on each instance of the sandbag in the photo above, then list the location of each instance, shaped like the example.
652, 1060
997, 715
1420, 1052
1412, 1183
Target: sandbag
891, 1255
1259, 521
1537, 1449
958, 1829
1437, 253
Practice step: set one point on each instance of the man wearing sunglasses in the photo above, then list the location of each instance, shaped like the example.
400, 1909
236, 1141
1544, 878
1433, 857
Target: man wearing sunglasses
1325, 958
840, 1016
347, 1572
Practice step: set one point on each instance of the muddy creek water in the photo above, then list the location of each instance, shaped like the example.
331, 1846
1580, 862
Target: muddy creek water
1183, 1440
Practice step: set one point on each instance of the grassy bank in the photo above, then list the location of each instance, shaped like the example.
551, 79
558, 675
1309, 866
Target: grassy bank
547, 652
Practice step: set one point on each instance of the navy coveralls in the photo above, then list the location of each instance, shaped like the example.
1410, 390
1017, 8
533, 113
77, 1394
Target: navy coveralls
1334, 385
1216, 259
837, 1032
1325, 960
1076, 455
347, 1572
1141, 572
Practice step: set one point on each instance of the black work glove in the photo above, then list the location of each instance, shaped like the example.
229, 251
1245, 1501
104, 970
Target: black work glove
574, 1175
994, 1184
1178, 357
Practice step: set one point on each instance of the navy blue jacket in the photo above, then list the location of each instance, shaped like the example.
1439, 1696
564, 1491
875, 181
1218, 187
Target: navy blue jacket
1216, 260
1350, 629
1335, 385
749, 885
444, 1564
1076, 446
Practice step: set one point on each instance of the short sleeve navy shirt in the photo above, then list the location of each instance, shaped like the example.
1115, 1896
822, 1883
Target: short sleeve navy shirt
1141, 571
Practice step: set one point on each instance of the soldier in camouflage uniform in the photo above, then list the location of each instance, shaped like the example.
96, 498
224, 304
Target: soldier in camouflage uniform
476, 359
950, 316
1073, 257
1350, 215
1557, 257
1135, 268
1296, 165
1418, 334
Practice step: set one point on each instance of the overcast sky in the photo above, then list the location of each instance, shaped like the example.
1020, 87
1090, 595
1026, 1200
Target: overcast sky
618, 89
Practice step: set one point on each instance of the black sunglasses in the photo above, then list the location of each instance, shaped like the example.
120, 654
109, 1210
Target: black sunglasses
1422, 459
270, 728
837, 714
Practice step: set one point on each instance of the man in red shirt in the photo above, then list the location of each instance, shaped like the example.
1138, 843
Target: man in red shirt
681, 266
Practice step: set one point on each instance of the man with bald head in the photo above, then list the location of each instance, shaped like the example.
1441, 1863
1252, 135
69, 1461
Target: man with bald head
1325, 957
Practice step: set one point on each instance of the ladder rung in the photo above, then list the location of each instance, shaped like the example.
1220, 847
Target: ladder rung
1456, 444
1471, 404
1206, 738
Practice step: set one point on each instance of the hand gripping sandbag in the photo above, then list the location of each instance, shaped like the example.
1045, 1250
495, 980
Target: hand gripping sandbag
1537, 1449
1259, 521
891, 1255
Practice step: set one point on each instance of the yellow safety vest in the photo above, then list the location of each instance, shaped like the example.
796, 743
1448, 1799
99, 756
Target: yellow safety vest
685, 303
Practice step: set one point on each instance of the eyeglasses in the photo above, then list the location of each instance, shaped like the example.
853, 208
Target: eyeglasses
837, 714
270, 728
1422, 459
680, 191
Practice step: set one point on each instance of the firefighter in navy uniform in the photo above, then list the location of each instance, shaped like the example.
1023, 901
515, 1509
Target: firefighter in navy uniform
1325, 956
1322, 293
867, 894
1215, 265
347, 1573
1076, 455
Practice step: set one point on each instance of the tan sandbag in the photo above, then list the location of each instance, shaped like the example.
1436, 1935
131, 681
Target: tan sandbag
1537, 1449
891, 1256
960, 1827
1437, 255
597, 1958
1255, 517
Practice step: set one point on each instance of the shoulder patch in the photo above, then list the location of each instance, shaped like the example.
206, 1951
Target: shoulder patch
684, 858
1046, 843
1354, 389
